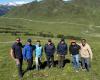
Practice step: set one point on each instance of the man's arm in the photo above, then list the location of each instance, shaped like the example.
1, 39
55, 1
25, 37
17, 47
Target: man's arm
45, 48
90, 52
58, 49
42, 51
66, 49
12, 54
24, 53
54, 48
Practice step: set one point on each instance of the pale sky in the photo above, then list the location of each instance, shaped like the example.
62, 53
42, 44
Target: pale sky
18, 1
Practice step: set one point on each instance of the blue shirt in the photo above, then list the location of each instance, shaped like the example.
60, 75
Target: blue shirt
38, 51
28, 51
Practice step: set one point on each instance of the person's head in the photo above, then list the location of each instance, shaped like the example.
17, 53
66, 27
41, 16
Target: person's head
73, 42
29, 41
49, 41
62, 41
18, 40
83, 41
38, 42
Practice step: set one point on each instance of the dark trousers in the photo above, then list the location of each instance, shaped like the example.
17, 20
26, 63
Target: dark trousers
85, 63
19, 63
50, 60
61, 59
30, 63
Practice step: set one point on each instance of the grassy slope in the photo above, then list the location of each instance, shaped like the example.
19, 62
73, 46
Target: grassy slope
8, 68
7, 65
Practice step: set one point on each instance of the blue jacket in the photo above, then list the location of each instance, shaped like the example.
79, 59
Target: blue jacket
49, 49
74, 49
38, 51
28, 51
62, 49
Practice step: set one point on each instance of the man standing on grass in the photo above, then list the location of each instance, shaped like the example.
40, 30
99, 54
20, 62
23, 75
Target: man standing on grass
86, 54
61, 51
49, 51
16, 54
74, 51
38, 54
28, 53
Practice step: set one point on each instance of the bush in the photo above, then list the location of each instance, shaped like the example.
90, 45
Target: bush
72, 37
28, 34
44, 34
60, 36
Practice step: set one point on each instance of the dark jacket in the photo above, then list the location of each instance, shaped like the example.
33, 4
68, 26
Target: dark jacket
17, 49
49, 49
74, 49
62, 49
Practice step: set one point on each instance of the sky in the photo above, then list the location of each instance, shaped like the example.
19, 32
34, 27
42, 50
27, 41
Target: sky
17, 1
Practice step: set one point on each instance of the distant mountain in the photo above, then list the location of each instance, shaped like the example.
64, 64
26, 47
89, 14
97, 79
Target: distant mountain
79, 8
4, 9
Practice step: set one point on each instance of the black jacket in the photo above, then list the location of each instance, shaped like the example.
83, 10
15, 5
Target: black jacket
49, 49
74, 49
62, 49
17, 49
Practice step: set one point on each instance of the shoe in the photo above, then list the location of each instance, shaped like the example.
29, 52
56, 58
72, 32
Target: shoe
83, 69
77, 71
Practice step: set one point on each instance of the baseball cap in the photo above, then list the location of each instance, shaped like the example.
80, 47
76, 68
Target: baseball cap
29, 40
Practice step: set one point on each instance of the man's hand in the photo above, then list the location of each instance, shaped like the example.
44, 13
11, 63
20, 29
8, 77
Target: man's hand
17, 61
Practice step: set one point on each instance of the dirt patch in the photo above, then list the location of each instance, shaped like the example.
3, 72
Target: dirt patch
40, 74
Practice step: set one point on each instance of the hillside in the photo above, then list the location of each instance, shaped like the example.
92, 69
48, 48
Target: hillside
52, 19
53, 12
49, 8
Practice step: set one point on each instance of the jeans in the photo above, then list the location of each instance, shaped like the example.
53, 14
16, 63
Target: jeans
30, 63
38, 62
85, 63
50, 63
61, 59
75, 61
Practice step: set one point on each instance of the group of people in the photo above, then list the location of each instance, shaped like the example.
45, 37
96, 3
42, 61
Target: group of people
77, 51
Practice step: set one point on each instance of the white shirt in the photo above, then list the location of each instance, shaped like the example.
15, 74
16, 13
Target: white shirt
86, 51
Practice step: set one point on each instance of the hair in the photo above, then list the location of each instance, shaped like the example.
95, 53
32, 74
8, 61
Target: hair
83, 40
49, 40
38, 41
18, 38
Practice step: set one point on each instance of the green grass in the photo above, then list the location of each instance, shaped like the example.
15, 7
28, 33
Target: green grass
77, 19
8, 69
67, 27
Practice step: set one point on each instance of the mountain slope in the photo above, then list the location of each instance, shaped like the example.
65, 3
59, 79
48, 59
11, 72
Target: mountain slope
58, 8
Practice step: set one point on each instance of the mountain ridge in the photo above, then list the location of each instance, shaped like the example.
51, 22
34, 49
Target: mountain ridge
57, 8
